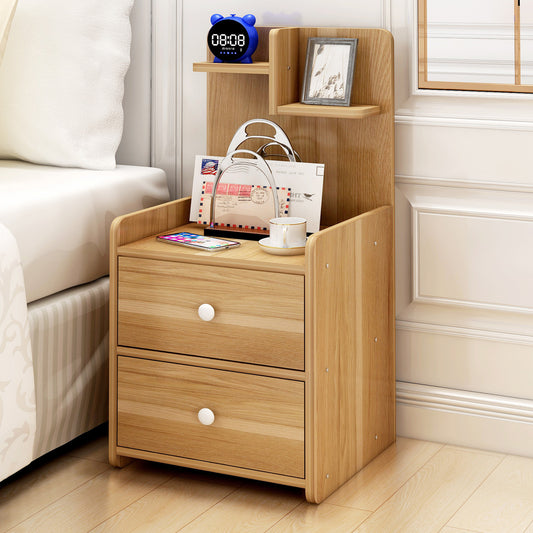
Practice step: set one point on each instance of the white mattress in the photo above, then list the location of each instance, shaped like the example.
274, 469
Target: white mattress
61, 217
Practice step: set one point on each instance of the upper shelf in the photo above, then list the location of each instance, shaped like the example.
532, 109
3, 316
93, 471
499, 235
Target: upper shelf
260, 67
281, 57
295, 109
328, 111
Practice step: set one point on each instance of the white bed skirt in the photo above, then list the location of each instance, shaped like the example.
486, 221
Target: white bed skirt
69, 338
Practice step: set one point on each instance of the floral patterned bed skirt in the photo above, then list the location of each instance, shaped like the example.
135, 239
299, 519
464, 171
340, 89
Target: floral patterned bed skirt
17, 392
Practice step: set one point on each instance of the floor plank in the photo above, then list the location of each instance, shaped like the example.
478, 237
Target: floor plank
319, 518
254, 507
448, 529
94, 450
173, 504
413, 486
504, 503
431, 497
97, 499
379, 480
34, 489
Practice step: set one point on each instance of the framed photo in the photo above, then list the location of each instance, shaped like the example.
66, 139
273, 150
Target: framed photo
329, 68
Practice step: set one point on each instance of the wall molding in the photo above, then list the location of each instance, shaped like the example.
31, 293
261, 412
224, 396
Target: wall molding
457, 213
465, 402
166, 90
386, 15
464, 184
404, 118
464, 418
466, 333
491, 31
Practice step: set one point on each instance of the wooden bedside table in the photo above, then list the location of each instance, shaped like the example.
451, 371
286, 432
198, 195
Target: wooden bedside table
292, 381
295, 365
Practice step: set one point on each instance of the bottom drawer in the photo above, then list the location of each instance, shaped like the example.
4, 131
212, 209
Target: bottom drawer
258, 421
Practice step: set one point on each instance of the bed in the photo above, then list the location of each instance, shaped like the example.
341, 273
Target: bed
60, 188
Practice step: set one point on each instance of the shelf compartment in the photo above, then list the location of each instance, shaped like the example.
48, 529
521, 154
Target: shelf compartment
328, 111
260, 67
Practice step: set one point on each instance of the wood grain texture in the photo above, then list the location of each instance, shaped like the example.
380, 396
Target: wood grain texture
259, 316
503, 503
126, 229
284, 68
347, 369
32, 491
258, 420
248, 255
172, 505
329, 111
52, 496
217, 468
471, 86
254, 508
152, 221
378, 481
422, 43
319, 518
96, 500
434, 494
259, 67
350, 339
218, 364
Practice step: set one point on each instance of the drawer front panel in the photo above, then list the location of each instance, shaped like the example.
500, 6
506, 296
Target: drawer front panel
258, 421
258, 316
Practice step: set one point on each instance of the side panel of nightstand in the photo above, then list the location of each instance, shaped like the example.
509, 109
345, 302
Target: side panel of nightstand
350, 395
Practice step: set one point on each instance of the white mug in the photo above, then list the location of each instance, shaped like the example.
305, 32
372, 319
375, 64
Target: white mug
288, 232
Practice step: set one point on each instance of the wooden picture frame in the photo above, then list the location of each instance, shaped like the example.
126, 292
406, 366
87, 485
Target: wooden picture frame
329, 69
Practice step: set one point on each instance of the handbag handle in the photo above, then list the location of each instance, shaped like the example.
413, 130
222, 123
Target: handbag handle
280, 138
228, 162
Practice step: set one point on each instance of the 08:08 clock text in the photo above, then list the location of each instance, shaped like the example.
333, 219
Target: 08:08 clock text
224, 40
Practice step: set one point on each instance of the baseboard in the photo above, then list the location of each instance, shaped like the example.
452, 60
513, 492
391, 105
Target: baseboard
495, 423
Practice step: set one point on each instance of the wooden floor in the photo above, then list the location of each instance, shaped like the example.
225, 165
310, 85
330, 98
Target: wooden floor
413, 486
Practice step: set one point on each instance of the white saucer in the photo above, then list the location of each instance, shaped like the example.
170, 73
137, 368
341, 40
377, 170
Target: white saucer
275, 250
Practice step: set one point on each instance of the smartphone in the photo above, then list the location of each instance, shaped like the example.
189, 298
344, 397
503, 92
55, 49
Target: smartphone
200, 242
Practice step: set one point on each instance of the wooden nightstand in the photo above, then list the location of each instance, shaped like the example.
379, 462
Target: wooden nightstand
294, 374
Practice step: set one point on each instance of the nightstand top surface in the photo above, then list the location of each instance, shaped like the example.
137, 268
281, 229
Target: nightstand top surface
248, 255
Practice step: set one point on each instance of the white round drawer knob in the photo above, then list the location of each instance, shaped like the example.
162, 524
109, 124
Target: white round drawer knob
206, 416
206, 312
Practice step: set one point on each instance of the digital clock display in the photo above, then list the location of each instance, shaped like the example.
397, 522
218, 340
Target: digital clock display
228, 40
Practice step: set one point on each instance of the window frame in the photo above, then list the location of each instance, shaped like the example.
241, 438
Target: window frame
424, 83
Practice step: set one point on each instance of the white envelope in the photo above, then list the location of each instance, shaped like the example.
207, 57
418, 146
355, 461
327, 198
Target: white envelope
305, 181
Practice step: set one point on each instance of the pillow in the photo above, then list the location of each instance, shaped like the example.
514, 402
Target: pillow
62, 82
7, 10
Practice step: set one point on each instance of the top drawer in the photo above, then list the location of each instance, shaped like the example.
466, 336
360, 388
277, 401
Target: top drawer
258, 316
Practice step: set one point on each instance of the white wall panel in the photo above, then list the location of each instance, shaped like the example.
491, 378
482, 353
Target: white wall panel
465, 359
461, 151
465, 244
480, 260
464, 297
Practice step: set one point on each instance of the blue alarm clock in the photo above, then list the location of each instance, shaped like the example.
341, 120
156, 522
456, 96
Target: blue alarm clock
232, 39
